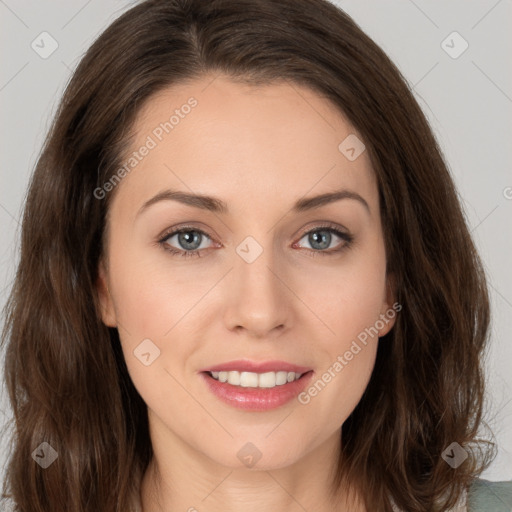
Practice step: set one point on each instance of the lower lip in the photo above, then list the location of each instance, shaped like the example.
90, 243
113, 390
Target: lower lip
256, 399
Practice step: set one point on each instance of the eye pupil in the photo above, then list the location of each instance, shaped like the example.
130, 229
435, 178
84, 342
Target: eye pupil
187, 238
324, 235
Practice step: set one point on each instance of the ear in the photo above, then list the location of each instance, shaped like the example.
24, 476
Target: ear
108, 314
389, 307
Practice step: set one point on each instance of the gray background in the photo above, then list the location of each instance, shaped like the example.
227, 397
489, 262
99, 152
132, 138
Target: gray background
466, 99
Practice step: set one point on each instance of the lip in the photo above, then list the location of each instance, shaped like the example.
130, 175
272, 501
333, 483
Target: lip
257, 399
245, 365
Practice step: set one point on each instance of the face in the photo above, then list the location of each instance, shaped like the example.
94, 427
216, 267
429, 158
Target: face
260, 280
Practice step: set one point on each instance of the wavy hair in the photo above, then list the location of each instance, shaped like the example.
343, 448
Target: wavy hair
64, 368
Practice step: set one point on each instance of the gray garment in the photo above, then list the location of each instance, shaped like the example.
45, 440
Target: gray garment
487, 496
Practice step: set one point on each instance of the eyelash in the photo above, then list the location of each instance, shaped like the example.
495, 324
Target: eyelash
188, 254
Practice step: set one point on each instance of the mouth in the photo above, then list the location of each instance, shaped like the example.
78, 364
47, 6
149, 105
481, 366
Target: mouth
256, 391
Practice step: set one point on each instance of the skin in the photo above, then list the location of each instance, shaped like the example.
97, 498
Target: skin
259, 149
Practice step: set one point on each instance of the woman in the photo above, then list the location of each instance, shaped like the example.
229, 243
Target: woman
246, 280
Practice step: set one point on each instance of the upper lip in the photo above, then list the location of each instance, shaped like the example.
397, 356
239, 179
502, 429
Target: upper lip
245, 365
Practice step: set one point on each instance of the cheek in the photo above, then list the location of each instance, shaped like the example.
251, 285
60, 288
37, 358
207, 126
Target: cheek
347, 298
349, 302
159, 301
152, 296
345, 353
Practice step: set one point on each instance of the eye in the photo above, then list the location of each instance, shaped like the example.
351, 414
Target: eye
321, 238
189, 242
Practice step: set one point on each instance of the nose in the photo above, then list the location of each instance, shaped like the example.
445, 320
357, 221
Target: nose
259, 298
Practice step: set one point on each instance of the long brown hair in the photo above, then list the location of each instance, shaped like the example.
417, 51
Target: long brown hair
65, 373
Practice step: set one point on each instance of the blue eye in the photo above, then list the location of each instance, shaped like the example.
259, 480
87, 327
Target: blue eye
321, 238
190, 239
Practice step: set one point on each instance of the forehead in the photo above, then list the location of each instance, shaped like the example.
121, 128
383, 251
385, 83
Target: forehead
248, 145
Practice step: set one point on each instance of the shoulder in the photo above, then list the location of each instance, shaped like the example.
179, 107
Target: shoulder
487, 496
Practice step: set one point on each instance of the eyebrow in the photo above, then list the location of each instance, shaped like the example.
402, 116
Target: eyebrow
216, 205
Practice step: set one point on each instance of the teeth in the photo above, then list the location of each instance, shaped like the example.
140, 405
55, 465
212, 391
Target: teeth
256, 380
234, 378
267, 380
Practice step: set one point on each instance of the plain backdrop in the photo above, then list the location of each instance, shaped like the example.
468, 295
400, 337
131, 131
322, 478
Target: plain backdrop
466, 95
